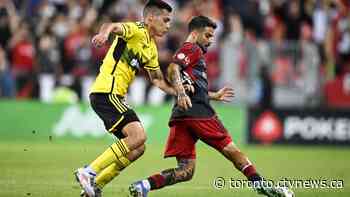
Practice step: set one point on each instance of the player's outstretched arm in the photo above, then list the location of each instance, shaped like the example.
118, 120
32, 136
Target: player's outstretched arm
102, 36
157, 79
175, 78
225, 94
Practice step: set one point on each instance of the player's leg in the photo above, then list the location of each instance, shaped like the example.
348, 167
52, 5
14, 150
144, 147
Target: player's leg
242, 163
183, 172
135, 137
103, 162
213, 133
120, 121
112, 171
180, 144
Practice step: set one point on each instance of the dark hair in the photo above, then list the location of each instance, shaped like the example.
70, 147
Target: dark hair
200, 22
158, 4
3, 12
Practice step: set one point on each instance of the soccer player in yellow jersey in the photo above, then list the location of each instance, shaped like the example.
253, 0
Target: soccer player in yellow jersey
133, 48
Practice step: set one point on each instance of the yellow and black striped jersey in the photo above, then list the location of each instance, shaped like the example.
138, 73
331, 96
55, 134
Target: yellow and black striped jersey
134, 50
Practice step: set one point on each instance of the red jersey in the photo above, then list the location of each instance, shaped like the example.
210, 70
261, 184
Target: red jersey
191, 59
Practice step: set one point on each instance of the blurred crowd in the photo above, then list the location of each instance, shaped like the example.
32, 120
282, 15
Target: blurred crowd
265, 49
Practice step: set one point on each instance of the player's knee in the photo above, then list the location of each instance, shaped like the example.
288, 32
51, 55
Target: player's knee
138, 137
141, 138
137, 153
135, 133
141, 149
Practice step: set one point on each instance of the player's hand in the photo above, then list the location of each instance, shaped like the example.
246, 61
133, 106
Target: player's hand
225, 94
183, 101
189, 88
99, 40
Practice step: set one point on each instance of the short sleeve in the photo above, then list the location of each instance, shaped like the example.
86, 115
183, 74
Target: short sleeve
129, 29
152, 64
187, 55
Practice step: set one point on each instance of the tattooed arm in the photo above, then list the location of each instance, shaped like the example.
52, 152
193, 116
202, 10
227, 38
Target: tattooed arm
175, 78
157, 79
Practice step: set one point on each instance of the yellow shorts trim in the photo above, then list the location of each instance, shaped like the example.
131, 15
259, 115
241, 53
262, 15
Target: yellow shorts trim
116, 124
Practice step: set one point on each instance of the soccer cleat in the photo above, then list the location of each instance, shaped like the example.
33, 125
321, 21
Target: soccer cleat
86, 181
138, 189
275, 191
82, 193
285, 191
98, 193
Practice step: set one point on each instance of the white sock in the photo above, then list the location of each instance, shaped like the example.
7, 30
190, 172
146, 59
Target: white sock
146, 184
89, 170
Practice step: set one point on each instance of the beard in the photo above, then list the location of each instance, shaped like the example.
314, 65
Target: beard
204, 47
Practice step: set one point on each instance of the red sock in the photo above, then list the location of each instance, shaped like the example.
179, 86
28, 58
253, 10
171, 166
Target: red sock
156, 181
250, 172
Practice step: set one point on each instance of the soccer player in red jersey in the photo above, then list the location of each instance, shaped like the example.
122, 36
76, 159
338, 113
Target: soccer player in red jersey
194, 118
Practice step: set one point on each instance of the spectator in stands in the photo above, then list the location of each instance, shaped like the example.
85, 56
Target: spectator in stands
309, 66
23, 61
7, 88
231, 54
292, 18
9, 22
48, 56
320, 23
266, 98
338, 39
59, 30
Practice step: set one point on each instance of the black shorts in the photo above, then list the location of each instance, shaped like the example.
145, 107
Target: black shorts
114, 112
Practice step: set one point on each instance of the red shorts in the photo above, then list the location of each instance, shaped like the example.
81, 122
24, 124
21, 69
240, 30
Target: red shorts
185, 133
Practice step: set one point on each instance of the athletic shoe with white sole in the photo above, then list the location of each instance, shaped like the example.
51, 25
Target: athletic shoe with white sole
86, 181
271, 191
98, 193
138, 189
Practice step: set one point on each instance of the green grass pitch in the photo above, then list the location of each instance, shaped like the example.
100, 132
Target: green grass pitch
45, 169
